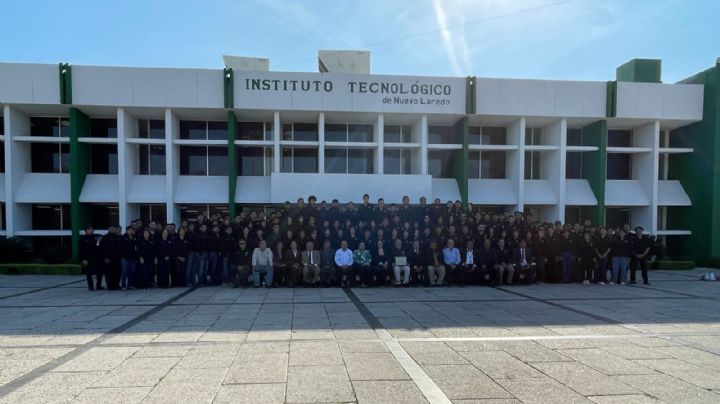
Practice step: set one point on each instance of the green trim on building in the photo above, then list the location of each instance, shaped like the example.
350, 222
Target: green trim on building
232, 162
470, 103
699, 174
79, 169
228, 88
594, 167
640, 71
460, 162
611, 99
65, 73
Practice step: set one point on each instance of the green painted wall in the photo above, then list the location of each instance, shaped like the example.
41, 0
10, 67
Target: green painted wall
699, 173
228, 88
640, 71
232, 161
460, 161
470, 107
594, 166
65, 72
79, 169
611, 99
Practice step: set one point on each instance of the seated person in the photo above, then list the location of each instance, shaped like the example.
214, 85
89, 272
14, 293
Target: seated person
280, 267
381, 264
416, 262
434, 262
451, 259
362, 264
468, 263
400, 266
505, 268
311, 264
327, 264
262, 264
487, 262
242, 260
293, 258
343, 265
524, 263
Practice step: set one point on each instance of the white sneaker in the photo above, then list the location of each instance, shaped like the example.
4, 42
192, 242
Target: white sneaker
622, 283
612, 283
602, 283
586, 282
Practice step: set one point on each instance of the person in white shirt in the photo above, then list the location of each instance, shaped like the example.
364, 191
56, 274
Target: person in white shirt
262, 263
344, 264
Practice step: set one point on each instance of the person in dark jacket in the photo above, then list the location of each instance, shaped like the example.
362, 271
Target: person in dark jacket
566, 247
164, 259
293, 259
622, 250
641, 252
487, 262
603, 245
214, 256
227, 244
468, 263
180, 254
148, 260
241, 261
416, 260
110, 253
434, 263
586, 256
199, 245
129, 258
89, 256
524, 262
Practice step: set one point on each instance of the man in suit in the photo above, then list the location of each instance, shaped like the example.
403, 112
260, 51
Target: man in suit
524, 262
468, 263
311, 264
487, 262
293, 258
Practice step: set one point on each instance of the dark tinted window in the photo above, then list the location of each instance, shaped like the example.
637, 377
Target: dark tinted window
151, 128
217, 161
306, 132
397, 162
196, 130
217, 130
440, 164
50, 217
250, 131
492, 165
151, 160
335, 132
103, 127
574, 137
305, 161
57, 127
573, 168
360, 161
336, 161
619, 166
193, 160
442, 135
251, 161
360, 133
103, 159
50, 158
494, 135
620, 138
474, 134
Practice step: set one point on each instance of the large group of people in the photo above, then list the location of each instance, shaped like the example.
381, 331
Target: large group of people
325, 244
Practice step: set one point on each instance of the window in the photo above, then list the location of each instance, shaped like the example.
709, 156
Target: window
619, 166
440, 164
51, 217
255, 161
52, 127
574, 137
2, 216
151, 129
573, 214
494, 135
348, 133
202, 130
662, 162
50, 158
255, 131
191, 212
305, 132
397, 162
349, 161
492, 165
103, 159
573, 166
397, 134
151, 160
297, 160
474, 135
2, 126
533, 165
533, 136
620, 138
474, 165
2, 157
104, 216
203, 160
617, 217
101, 127
336, 161
442, 135
153, 213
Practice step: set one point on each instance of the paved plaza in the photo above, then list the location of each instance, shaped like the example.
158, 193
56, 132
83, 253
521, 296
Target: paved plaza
60, 343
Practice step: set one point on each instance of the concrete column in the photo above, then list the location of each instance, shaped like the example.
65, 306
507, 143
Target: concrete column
172, 164
127, 161
321, 143
645, 170
555, 166
17, 163
420, 132
277, 151
515, 164
379, 135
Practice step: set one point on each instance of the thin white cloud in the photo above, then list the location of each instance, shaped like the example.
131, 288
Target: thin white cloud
453, 42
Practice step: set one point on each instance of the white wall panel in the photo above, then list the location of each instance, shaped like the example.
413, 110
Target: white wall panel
660, 101
492, 192
24, 83
44, 188
100, 188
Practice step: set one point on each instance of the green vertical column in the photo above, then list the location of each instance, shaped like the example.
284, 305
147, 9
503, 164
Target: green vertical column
228, 88
699, 174
594, 166
232, 161
460, 163
79, 169
65, 72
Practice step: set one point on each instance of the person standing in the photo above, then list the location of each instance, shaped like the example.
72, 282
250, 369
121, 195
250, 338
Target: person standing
587, 258
164, 259
311, 264
506, 270
226, 248
147, 252
487, 262
129, 259
603, 246
641, 249
89, 251
262, 264
567, 256
180, 254
621, 251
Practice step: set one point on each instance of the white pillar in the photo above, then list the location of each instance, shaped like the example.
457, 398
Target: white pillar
172, 164
127, 161
515, 165
421, 130
379, 135
277, 152
645, 170
321, 143
17, 163
555, 164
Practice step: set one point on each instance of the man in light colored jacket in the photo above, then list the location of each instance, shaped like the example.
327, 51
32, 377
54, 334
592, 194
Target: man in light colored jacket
262, 263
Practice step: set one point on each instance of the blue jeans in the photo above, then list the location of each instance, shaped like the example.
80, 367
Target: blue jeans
224, 265
213, 267
202, 267
127, 272
267, 270
566, 259
190, 267
619, 267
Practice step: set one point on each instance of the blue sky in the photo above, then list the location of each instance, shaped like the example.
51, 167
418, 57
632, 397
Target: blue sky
571, 39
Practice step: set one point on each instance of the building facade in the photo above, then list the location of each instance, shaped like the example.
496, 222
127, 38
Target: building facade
103, 145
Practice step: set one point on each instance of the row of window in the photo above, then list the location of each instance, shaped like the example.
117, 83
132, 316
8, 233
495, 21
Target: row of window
257, 131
